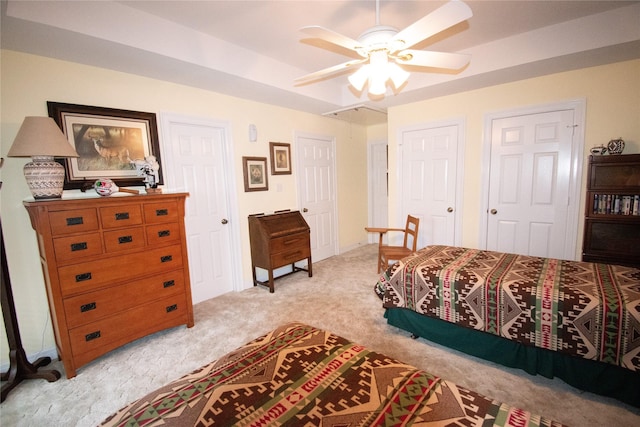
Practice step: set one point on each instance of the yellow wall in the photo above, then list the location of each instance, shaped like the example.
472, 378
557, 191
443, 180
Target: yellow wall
28, 82
612, 94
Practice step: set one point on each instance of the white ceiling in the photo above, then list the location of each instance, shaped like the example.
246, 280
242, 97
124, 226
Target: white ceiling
254, 49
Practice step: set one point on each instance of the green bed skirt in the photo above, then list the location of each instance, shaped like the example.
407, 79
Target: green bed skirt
596, 377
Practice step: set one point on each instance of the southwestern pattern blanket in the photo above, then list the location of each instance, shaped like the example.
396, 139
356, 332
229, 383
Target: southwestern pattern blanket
298, 375
581, 309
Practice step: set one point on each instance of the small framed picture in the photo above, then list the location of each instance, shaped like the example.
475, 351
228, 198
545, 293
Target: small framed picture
255, 173
280, 158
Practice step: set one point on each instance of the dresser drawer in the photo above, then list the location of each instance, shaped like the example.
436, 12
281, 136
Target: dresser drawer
163, 233
73, 221
95, 274
77, 247
121, 240
90, 307
161, 212
297, 240
128, 325
120, 216
289, 256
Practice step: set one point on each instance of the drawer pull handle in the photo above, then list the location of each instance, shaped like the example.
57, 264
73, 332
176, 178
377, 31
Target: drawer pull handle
164, 233
125, 239
92, 336
83, 277
295, 254
166, 258
162, 212
75, 221
290, 242
87, 307
80, 246
171, 308
122, 215
169, 283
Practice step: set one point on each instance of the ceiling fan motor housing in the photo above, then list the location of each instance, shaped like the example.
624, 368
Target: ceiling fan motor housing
377, 38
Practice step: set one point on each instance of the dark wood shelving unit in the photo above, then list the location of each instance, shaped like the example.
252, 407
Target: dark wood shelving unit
612, 222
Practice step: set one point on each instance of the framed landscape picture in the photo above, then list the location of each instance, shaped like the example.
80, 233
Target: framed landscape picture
255, 173
108, 141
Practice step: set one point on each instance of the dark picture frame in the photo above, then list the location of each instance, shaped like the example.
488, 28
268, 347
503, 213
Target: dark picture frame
107, 140
256, 176
280, 158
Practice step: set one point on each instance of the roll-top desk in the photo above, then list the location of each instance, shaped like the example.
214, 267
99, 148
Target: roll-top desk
278, 240
115, 269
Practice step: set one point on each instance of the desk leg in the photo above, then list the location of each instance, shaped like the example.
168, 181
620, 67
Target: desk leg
270, 281
309, 267
253, 270
380, 247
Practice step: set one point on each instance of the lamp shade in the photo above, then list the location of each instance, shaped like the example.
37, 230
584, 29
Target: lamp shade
42, 140
40, 136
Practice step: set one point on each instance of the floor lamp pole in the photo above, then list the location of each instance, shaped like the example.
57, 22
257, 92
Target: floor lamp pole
20, 368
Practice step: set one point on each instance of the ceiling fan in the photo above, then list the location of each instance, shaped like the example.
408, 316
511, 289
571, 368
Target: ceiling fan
384, 49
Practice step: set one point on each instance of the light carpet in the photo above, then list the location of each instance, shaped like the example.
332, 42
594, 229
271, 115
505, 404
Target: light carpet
340, 298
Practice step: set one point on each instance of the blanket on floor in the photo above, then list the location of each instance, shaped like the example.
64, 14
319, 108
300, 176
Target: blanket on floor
298, 375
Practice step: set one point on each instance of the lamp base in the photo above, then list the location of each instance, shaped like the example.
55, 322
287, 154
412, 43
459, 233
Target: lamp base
45, 177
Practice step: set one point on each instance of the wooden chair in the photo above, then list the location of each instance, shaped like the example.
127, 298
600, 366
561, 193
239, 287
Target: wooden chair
388, 253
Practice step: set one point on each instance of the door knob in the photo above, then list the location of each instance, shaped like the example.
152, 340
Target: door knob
305, 210
224, 221
493, 211
449, 209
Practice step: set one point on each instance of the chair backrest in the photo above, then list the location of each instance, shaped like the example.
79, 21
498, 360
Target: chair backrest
411, 230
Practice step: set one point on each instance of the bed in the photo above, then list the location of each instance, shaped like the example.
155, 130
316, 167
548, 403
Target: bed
298, 375
574, 320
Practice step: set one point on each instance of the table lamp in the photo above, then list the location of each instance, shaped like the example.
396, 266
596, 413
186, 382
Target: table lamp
41, 139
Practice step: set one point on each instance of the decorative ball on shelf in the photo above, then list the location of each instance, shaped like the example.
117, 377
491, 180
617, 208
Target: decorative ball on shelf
615, 146
105, 187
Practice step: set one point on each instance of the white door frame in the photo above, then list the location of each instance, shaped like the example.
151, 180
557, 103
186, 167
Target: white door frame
334, 193
575, 176
460, 122
166, 119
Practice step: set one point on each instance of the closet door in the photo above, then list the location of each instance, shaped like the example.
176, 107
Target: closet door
429, 184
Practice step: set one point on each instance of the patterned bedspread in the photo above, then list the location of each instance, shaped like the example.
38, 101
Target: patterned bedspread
298, 375
582, 309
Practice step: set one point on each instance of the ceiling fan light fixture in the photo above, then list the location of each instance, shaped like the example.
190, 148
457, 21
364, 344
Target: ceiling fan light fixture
397, 75
377, 84
379, 74
360, 77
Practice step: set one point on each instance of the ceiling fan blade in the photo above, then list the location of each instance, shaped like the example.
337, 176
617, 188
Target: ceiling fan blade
425, 58
440, 19
331, 37
328, 71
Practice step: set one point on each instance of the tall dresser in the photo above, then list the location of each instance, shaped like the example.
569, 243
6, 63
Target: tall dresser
115, 269
612, 223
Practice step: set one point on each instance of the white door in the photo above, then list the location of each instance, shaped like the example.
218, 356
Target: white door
429, 184
198, 156
378, 188
529, 184
316, 191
